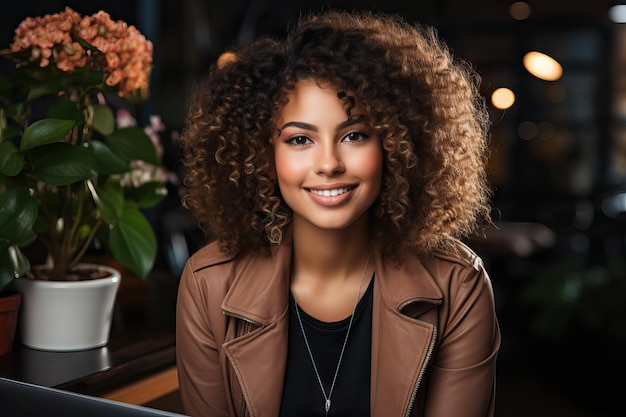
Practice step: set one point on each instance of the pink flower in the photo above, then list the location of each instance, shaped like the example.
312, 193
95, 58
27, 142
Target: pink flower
123, 118
155, 127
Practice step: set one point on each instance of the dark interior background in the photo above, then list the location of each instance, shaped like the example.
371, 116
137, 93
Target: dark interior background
557, 165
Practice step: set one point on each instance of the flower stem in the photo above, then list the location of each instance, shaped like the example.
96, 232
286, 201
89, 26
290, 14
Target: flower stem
86, 243
74, 235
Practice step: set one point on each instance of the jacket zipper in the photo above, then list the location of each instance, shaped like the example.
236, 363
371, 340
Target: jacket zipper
240, 317
415, 300
429, 354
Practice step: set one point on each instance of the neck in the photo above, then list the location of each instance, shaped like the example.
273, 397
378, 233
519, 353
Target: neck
332, 254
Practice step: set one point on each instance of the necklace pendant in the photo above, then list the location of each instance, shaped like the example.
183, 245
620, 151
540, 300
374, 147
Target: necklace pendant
327, 406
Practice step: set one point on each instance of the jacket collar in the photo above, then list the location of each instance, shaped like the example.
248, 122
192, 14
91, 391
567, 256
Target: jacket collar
403, 286
401, 346
266, 297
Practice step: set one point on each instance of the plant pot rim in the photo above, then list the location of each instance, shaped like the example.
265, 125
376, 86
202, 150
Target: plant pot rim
10, 301
98, 282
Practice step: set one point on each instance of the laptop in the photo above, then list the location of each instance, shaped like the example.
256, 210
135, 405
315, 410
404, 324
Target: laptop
21, 399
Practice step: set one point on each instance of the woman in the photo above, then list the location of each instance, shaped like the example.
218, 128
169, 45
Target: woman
336, 172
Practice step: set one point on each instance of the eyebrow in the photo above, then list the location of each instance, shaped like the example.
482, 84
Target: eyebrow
313, 128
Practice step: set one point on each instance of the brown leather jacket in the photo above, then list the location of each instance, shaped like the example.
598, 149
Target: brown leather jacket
435, 336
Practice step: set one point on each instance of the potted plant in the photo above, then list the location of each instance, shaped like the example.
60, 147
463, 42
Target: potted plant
10, 300
66, 169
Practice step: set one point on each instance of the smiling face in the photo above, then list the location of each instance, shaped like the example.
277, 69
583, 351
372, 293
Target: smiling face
329, 166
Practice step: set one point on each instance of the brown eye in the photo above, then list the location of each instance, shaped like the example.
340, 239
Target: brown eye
354, 137
299, 140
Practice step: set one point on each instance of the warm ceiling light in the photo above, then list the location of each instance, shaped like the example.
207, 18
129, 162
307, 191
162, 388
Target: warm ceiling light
502, 98
617, 13
520, 10
542, 66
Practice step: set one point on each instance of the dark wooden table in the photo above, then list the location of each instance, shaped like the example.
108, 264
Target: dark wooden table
142, 342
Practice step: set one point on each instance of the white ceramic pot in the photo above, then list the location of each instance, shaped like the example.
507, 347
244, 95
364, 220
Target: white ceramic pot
67, 315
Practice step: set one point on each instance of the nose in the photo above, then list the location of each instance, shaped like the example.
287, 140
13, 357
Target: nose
329, 161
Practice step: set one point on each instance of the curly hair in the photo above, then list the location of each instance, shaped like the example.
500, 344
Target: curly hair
422, 101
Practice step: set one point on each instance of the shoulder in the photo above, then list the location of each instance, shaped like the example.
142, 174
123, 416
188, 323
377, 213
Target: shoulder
463, 280
208, 256
457, 266
208, 272
211, 267
459, 254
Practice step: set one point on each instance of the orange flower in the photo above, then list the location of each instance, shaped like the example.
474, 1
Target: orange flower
113, 60
115, 78
53, 39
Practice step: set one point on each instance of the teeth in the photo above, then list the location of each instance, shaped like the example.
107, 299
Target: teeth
330, 193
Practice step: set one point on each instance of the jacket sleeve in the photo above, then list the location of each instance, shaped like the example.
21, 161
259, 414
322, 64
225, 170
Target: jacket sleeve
197, 352
462, 376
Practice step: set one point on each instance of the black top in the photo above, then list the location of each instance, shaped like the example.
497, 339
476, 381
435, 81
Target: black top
302, 395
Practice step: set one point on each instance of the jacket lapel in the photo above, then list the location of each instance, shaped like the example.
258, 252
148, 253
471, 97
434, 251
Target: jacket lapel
401, 345
259, 357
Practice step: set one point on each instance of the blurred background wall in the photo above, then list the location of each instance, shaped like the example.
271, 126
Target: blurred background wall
557, 165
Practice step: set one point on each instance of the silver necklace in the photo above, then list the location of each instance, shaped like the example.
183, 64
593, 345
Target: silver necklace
343, 348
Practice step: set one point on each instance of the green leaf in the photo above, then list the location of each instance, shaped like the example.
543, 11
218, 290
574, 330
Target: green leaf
107, 161
9, 132
86, 45
42, 224
65, 110
46, 131
62, 164
20, 260
7, 270
132, 242
149, 194
42, 90
13, 263
11, 162
103, 119
110, 201
15, 110
132, 143
89, 77
18, 211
